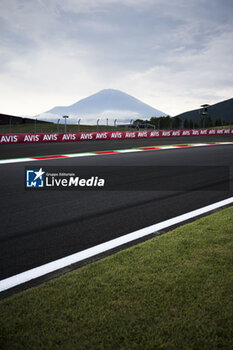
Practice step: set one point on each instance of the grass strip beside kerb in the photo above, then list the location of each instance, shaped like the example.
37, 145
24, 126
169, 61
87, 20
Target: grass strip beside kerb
171, 292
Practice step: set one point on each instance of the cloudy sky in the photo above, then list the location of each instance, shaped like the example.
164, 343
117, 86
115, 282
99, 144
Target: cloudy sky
172, 54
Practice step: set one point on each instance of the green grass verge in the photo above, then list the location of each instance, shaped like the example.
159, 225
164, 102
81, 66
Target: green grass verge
171, 292
51, 127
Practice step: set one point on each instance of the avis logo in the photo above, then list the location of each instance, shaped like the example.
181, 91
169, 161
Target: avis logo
35, 178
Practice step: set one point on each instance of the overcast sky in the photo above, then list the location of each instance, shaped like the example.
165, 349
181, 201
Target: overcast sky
172, 54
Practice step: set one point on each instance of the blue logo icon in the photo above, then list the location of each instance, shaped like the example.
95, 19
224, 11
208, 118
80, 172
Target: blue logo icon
35, 178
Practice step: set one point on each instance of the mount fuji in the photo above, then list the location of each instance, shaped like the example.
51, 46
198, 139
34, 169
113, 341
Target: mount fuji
107, 103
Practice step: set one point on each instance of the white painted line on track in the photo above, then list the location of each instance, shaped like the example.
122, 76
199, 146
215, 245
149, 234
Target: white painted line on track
170, 147
129, 150
74, 155
19, 160
101, 248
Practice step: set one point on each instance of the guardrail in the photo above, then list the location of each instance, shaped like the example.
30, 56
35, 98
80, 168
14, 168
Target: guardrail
109, 135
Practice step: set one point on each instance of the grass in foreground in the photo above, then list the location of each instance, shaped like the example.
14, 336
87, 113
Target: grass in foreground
172, 292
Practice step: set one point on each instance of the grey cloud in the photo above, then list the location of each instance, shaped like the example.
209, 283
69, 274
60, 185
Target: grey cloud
155, 44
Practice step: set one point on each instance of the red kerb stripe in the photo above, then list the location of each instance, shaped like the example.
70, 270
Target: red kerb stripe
183, 145
50, 157
149, 148
107, 152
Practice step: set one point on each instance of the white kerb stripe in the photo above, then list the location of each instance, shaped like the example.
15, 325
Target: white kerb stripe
90, 252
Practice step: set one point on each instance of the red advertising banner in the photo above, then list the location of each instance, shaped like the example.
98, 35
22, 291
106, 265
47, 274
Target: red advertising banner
109, 135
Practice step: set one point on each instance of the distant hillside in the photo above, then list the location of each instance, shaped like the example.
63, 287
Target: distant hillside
219, 111
12, 119
105, 104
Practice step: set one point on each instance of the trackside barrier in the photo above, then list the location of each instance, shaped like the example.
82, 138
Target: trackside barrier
94, 136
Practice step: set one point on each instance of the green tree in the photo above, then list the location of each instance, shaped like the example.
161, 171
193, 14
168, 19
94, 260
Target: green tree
186, 124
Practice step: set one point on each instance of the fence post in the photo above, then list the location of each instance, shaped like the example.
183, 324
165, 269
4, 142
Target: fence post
97, 124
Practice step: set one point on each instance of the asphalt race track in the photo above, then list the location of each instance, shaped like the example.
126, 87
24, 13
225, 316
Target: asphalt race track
41, 226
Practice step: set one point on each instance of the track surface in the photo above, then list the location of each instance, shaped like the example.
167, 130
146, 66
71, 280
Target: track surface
41, 226
41, 149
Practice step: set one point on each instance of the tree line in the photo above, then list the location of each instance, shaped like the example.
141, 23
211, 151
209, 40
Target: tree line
177, 123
